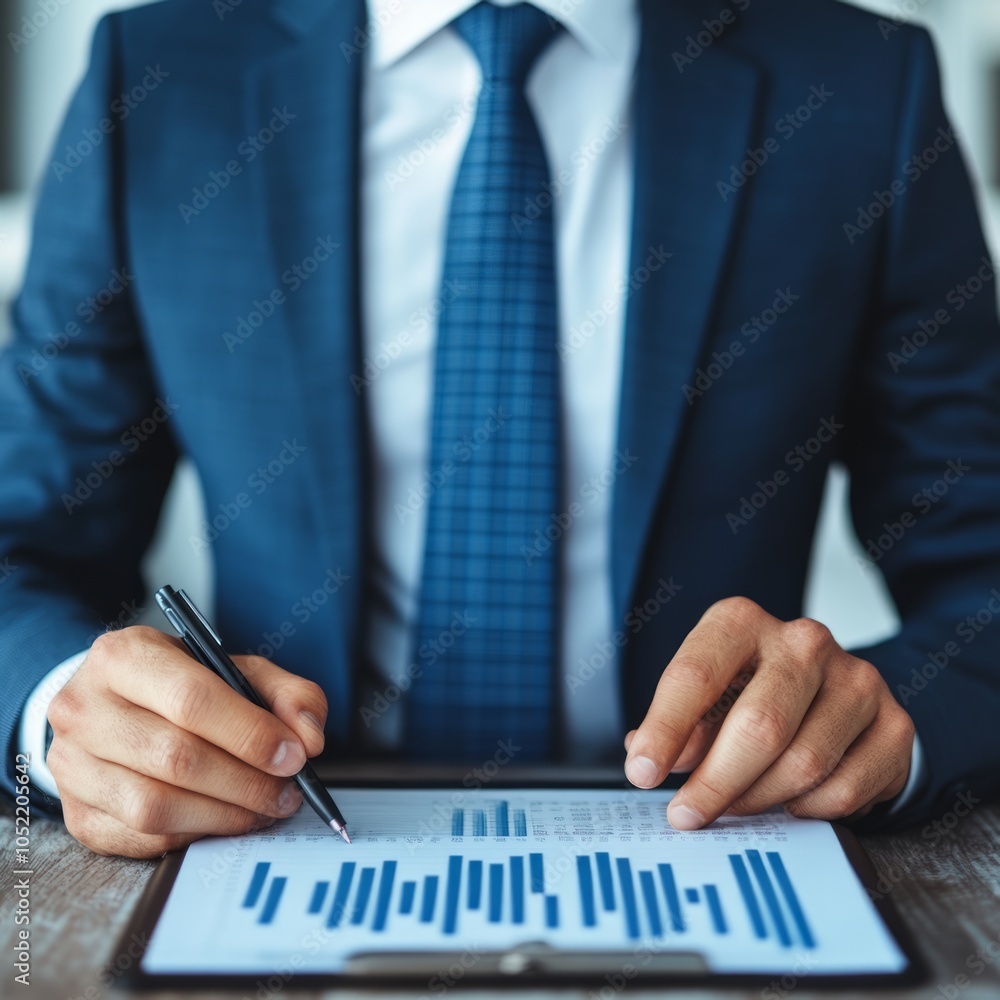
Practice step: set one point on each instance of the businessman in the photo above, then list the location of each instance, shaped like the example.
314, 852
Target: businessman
511, 345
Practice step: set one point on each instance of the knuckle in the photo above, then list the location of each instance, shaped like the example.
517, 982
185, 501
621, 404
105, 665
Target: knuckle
63, 710
262, 791
186, 700
808, 637
740, 610
811, 766
691, 670
175, 758
312, 693
761, 726
841, 800
142, 809
867, 681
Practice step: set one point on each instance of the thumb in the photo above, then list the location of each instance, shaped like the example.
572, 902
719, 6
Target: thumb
299, 703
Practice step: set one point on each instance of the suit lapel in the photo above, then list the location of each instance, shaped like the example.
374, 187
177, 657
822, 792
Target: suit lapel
691, 126
309, 177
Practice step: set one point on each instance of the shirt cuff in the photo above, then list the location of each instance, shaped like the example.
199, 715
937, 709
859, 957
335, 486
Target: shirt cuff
32, 736
918, 772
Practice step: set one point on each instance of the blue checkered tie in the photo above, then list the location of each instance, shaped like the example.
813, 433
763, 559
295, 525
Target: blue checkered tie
487, 628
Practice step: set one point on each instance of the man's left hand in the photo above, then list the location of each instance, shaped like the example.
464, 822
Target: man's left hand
765, 712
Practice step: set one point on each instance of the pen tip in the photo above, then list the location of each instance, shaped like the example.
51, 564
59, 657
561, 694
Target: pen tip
342, 830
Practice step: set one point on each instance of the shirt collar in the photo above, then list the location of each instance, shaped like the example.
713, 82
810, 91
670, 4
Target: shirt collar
397, 27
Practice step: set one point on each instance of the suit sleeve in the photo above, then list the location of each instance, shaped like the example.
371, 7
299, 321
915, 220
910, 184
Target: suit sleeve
86, 450
924, 453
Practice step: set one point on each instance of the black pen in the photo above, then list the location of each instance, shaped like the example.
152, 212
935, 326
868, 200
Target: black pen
206, 647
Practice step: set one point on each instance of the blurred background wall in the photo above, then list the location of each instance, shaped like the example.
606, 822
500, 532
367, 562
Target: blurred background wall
38, 74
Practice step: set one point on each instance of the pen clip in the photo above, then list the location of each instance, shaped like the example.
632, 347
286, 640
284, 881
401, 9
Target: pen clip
194, 610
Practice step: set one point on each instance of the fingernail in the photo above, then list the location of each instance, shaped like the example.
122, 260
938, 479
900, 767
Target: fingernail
682, 817
264, 821
290, 799
641, 771
310, 720
289, 752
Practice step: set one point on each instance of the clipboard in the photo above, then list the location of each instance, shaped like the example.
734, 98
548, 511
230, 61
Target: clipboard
529, 963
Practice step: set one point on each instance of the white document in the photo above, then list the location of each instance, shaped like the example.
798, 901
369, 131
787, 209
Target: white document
468, 872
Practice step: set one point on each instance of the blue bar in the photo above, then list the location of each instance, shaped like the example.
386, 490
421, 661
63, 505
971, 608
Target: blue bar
502, 828
673, 902
475, 884
537, 873
271, 903
458, 823
339, 907
520, 823
551, 911
496, 892
256, 883
478, 823
652, 906
628, 896
691, 895
318, 896
604, 877
749, 896
451, 893
770, 897
795, 908
586, 879
430, 897
409, 893
517, 890
364, 891
715, 908
384, 892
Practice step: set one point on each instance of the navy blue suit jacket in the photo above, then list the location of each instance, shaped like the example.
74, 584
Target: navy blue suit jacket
241, 157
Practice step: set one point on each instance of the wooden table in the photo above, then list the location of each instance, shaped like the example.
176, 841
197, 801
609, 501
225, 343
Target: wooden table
947, 888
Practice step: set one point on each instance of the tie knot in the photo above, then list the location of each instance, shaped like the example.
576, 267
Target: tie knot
506, 40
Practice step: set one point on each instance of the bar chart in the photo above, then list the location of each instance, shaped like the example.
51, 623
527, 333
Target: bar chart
593, 871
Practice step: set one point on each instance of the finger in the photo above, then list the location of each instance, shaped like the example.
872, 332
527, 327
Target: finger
144, 804
143, 741
103, 834
720, 646
874, 769
170, 683
299, 703
833, 722
757, 730
697, 747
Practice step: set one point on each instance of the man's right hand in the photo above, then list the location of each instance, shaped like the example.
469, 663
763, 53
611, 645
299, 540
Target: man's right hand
152, 750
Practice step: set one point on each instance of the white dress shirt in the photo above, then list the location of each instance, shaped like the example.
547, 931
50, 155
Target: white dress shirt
419, 101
